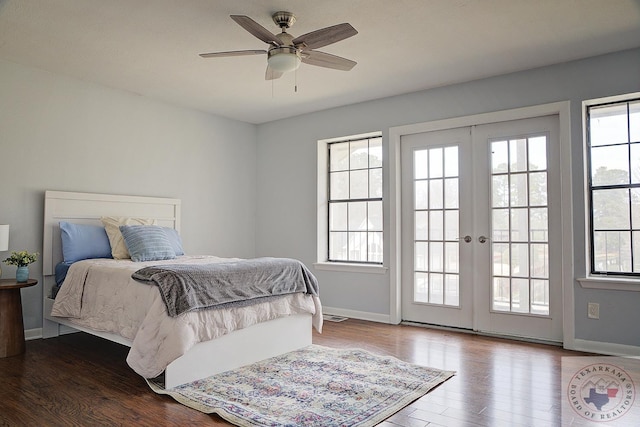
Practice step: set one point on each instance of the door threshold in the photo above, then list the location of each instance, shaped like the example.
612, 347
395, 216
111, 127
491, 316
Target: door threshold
481, 333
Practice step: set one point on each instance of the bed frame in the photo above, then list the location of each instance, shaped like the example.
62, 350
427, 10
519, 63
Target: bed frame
242, 347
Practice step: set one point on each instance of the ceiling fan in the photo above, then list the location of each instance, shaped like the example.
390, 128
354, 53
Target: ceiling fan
286, 52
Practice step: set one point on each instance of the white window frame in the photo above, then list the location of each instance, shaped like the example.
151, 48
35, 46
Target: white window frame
589, 281
323, 212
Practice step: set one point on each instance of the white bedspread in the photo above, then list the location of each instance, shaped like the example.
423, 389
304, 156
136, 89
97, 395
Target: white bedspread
101, 295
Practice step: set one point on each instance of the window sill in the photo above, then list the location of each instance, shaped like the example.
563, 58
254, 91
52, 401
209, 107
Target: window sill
610, 283
351, 268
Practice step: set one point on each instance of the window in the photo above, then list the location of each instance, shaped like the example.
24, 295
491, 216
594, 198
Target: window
613, 174
354, 200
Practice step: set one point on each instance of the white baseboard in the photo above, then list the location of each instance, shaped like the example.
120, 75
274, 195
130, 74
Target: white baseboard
610, 349
32, 334
354, 314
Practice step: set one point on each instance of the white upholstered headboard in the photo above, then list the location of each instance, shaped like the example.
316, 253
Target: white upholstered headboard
87, 208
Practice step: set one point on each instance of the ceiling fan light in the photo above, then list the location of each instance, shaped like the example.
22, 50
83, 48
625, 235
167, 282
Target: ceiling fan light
284, 59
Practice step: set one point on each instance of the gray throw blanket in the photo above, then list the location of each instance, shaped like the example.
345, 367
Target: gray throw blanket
227, 284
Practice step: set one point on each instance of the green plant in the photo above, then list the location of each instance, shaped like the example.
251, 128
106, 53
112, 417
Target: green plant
21, 259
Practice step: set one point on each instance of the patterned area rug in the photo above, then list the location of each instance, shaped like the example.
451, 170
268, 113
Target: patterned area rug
314, 386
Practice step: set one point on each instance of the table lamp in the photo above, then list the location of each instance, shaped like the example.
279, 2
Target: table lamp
4, 240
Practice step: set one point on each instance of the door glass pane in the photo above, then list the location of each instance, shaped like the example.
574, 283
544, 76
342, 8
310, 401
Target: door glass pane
519, 260
436, 288
540, 297
436, 229
538, 189
451, 255
519, 226
435, 194
421, 164
421, 225
451, 193
421, 194
436, 256
518, 190
499, 157
518, 155
436, 225
451, 289
435, 163
539, 260
500, 225
420, 290
537, 153
421, 256
501, 259
499, 191
501, 291
451, 161
520, 295
538, 218
451, 225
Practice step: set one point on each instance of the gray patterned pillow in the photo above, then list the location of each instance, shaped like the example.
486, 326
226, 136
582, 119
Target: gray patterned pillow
147, 243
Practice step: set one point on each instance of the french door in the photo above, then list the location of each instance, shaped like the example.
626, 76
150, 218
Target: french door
481, 234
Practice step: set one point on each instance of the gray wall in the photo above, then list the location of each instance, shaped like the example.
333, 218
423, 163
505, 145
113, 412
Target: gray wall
63, 134
251, 190
286, 224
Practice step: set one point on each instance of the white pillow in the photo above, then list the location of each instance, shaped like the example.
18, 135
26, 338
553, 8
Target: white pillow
112, 227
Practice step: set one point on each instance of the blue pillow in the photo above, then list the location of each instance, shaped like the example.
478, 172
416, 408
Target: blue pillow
147, 243
176, 241
80, 241
61, 271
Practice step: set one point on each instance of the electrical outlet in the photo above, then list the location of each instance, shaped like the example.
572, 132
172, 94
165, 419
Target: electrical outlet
593, 310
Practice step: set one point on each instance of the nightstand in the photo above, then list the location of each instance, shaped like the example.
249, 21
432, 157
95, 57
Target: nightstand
11, 323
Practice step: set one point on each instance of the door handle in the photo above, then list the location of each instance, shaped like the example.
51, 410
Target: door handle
482, 239
467, 238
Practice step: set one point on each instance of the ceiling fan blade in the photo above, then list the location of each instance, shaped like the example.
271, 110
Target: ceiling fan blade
233, 53
272, 74
256, 29
324, 36
322, 59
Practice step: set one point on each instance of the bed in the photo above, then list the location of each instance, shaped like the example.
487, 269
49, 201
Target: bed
189, 346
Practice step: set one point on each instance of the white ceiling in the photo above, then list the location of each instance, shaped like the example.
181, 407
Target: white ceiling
151, 47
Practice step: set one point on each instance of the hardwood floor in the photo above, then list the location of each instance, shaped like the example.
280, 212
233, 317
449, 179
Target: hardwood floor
81, 380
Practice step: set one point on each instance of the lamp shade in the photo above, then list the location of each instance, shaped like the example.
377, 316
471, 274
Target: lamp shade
284, 59
4, 237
